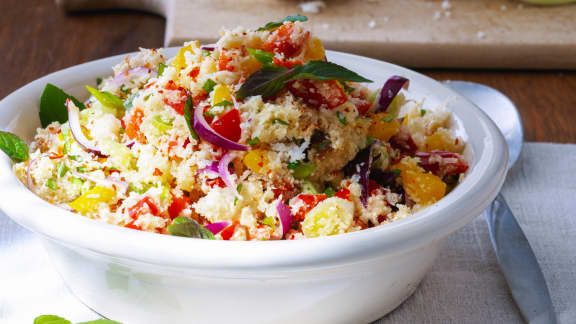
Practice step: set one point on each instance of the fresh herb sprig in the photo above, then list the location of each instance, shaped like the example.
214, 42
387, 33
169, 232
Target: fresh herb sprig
269, 80
13, 146
188, 227
275, 24
53, 105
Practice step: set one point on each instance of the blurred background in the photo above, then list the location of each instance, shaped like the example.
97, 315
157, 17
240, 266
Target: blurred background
526, 51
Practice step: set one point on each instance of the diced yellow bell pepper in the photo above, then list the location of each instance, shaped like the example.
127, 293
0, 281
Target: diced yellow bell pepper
384, 126
407, 164
90, 200
179, 61
423, 188
331, 216
221, 93
315, 51
256, 160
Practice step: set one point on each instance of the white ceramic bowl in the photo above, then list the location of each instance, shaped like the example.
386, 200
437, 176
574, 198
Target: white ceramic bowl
139, 277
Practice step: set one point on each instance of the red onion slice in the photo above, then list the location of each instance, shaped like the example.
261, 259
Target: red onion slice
216, 228
208, 47
285, 216
391, 88
209, 135
224, 172
29, 182
76, 129
131, 74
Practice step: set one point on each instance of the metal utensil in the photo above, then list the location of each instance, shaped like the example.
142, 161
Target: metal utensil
513, 251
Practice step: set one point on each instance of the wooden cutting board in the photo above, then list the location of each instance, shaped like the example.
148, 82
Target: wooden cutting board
416, 33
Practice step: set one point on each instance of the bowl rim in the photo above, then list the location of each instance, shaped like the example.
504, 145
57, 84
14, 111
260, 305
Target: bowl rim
464, 203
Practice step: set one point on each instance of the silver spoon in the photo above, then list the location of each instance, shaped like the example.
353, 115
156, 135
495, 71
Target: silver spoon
513, 251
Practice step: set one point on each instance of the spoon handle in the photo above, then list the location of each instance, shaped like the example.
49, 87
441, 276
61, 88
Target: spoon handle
519, 265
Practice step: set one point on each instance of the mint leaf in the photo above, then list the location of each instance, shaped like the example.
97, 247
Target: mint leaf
161, 68
53, 105
274, 24
322, 70
265, 82
101, 321
13, 146
265, 58
188, 117
106, 98
50, 319
188, 227
269, 80
209, 85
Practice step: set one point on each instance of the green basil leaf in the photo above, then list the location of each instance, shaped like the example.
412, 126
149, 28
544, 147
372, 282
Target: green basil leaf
188, 117
264, 57
209, 85
13, 146
274, 24
106, 98
188, 227
161, 68
101, 321
50, 319
265, 82
322, 70
53, 105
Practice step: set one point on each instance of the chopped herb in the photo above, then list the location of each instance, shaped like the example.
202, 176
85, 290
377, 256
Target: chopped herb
320, 140
329, 191
423, 112
51, 183
73, 157
129, 100
293, 165
188, 116
161, 68
308, 187
370, 139
271, 79
124, 90
265, 58
62, 169
98, 81
396, 171
301, 170
209, 85
53, 105
341, 118
235, 200
188, 227
208, 113
254, 141
275, 24
224, 103
279, 121
207, 52
147, 97
81, 169
388, 118
239, 188
347, 88
270, 221
13, 146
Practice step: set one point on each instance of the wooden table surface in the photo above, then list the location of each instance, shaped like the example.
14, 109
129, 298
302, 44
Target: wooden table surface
36, 38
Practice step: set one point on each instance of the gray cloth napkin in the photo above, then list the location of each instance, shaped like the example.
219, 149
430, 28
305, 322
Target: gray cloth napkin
464, 286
